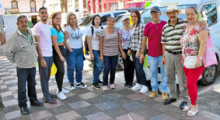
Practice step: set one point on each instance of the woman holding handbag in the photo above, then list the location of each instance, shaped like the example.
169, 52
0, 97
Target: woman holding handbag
193, 48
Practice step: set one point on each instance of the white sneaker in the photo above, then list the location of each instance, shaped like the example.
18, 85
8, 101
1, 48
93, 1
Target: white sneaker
61, 96
144, 89
137, 87
65, 91
70, 87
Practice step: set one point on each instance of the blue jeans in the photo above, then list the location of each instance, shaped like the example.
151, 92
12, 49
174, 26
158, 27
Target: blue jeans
45, 76
140, 74
97, 66
110, 63
26, 75
74, 62
153, 62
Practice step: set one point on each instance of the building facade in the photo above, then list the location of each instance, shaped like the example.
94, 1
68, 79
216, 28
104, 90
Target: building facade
96, 6
25, 7
21, 6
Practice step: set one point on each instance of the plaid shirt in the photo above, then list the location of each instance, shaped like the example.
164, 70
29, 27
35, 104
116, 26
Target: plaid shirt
136, 38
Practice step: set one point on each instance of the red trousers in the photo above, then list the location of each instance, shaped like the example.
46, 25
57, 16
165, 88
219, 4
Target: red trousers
192, 76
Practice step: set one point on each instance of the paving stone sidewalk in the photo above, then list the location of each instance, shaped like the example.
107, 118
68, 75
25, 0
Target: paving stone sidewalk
91, 104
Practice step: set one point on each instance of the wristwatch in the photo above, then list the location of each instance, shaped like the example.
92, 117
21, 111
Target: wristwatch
200, 58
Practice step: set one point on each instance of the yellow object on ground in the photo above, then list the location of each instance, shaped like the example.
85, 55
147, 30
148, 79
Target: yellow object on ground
53, 70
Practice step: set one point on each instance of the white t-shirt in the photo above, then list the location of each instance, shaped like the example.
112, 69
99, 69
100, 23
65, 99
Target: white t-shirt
95, 38
43, 31
75, 38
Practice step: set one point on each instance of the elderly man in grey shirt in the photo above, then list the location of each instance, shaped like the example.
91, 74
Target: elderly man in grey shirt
21, 50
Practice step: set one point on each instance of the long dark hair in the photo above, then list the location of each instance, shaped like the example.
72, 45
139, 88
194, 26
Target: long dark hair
138, 16
93, 20
54, 26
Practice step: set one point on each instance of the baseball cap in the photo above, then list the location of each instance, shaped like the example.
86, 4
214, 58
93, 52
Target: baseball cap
155, 9
125, 17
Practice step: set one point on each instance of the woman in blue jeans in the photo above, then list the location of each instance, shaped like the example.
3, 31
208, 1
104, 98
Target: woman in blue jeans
93, 44
74, 52
135, 49
109, 50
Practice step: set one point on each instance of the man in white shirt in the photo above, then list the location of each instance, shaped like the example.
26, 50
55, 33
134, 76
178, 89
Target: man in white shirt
42, 35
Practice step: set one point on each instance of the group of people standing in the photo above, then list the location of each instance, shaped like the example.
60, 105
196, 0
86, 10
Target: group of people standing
164, 48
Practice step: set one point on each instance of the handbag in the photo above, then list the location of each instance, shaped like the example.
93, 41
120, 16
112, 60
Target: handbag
190, 61
209, 57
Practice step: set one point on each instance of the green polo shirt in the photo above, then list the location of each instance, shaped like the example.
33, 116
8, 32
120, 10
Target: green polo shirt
28, 36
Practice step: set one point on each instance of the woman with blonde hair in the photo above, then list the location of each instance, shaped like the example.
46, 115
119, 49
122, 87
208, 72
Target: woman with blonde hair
74, 52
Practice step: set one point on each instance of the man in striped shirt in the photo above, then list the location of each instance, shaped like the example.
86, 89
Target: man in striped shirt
172, 54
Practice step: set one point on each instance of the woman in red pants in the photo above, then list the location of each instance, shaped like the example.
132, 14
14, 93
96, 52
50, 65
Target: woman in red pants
194, 44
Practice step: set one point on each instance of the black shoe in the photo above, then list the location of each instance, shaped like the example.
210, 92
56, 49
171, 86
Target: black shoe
169, 100
81, 85
100, 81
25, 110
183, 104
130, 85
126, 85
1, 105
53, 95
36, 103
52, 101
96, 85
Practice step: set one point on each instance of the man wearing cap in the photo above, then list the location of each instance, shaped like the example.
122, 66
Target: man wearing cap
172, 54
153, 31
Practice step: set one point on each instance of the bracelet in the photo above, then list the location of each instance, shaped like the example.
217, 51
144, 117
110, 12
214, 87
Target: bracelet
200, 58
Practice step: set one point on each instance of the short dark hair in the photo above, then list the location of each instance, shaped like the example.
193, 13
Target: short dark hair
93, 20
138, 16
21, 16
42, 8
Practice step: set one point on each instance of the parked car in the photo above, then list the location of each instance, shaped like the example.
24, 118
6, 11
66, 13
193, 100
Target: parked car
119, 23
209, 11
85, 26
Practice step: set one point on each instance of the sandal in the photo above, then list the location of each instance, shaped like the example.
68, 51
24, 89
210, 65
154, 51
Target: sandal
191, 113
186, 108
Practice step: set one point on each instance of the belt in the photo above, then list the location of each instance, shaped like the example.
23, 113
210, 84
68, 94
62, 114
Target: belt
173, 52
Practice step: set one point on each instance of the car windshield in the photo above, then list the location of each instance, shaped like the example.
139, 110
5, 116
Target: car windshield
146, 17
118, 22
87, 20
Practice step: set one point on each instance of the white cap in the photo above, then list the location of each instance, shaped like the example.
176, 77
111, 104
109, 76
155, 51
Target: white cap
171, 8
125, 17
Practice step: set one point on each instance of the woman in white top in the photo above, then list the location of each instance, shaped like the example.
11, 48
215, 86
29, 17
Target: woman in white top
74, 52
93, 44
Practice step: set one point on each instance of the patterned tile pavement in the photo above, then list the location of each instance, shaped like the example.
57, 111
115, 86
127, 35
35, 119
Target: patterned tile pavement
91, 104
